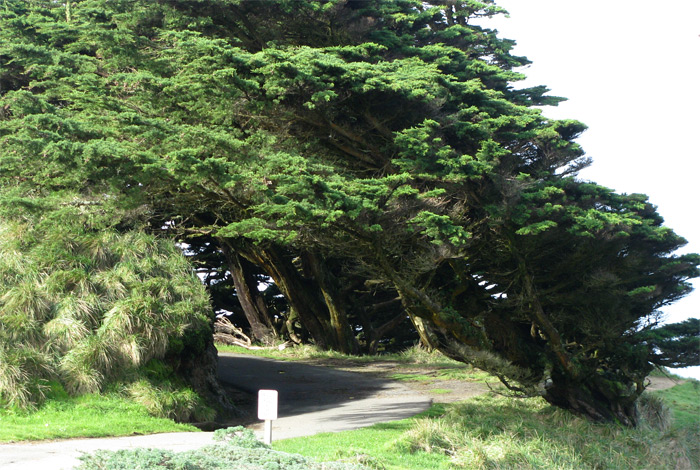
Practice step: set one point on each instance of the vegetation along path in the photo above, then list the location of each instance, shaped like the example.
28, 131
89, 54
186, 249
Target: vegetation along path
312, 400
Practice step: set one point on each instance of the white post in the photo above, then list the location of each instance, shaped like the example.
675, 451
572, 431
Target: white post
267, 439
267, 410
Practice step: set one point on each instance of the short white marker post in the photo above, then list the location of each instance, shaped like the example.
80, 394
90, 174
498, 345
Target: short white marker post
267, 410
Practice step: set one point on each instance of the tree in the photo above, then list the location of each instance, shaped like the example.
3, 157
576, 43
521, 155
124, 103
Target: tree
361, 154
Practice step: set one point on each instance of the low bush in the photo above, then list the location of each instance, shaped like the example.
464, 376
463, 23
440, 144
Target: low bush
86, 306
237, 449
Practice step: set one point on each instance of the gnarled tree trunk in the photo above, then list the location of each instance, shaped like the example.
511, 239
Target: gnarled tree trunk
253, 305
344, 338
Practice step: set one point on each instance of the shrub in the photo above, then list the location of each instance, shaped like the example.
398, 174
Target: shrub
237, 449
85, 306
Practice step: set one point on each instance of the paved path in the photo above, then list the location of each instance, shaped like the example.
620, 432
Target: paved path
312, 400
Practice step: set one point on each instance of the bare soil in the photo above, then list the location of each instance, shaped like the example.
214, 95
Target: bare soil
662, 383
427, 379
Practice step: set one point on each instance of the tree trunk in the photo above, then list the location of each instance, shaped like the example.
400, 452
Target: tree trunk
373, 335
302, 295
344, 338
253, 305
199, 369
378, 333
597, 399
292, 317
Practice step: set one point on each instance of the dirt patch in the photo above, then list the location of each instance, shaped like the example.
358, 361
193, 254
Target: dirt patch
662, 383
426, 379
449, 391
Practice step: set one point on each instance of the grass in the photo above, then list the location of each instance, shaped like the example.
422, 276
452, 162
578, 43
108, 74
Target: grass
374, 447
440, 391
484, 432
89, 415
419, 365
495, 432
684, 401
234, 449
311, 353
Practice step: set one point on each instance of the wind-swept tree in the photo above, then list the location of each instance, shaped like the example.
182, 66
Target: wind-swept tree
361, 154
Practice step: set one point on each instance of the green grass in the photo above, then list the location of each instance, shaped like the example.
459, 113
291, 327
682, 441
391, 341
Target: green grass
374, 447
463, 373
85, 416
484, 432
421, 365
415, 355
412, 377
495, 432
684, 401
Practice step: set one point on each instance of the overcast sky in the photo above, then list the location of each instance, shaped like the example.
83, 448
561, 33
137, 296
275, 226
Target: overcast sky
631, 72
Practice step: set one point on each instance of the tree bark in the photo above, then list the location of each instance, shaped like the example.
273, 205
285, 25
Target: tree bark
596, 398
344, 338
253, 305
302, 295
378, 333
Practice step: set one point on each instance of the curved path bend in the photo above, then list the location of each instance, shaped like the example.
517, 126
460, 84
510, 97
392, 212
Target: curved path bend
311, 400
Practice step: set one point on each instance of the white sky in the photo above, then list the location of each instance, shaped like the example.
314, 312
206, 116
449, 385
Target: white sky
631, 72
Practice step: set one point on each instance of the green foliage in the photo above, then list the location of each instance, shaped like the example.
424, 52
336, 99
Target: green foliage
84, 307
93, 415
676, 344
388, 141
240, 437
181, 404
240, 451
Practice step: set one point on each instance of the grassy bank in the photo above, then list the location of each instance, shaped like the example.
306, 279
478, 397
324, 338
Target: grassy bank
495, 432
85, 416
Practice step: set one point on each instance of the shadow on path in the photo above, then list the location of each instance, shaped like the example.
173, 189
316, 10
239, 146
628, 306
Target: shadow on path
312, 400
302, 388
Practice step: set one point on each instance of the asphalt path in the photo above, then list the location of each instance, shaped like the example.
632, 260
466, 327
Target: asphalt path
312, 400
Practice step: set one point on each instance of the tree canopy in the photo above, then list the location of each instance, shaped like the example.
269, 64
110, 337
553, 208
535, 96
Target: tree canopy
374, 159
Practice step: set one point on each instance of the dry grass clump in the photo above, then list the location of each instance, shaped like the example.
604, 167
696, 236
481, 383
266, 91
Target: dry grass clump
491, 432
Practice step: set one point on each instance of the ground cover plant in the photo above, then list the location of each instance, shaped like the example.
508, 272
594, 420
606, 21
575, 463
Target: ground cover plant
237, 449
496, 432
86, 309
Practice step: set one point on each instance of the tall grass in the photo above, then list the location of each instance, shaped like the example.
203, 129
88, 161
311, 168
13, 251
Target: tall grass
180, 404
491, 432
498, 433
88, 307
